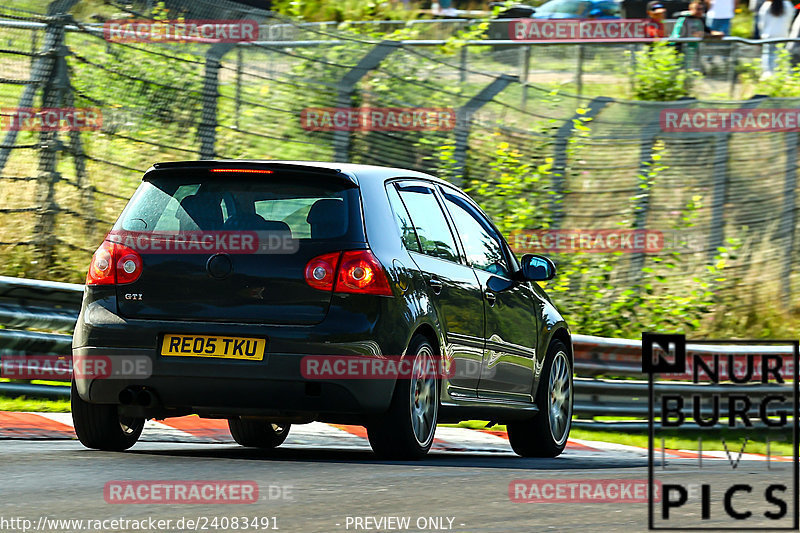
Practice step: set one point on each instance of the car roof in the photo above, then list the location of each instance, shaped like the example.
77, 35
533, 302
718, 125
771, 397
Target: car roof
357, 172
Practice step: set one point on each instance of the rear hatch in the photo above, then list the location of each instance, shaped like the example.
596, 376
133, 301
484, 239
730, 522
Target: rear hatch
194, 230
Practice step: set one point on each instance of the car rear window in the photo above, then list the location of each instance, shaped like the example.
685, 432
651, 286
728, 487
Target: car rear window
309, 210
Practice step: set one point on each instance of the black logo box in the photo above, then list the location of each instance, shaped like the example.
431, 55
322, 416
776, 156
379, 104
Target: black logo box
676, 343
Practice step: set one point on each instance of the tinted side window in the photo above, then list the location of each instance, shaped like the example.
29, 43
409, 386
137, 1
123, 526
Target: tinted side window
484, 250
403, 221
430, 223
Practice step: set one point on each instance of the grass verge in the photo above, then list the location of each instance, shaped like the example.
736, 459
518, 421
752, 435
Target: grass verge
24, 404
683, 440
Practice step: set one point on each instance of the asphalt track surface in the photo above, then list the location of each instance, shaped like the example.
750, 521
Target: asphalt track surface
321, 480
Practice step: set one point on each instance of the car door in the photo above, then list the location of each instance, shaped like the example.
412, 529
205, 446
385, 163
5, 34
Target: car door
510, 354
454, 287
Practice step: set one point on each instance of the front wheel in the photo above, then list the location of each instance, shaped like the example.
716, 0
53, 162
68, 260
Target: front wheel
100, 426
406, 430
546, 434
258, 433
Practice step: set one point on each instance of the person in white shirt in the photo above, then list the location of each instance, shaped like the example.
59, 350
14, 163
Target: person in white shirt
774, 19
719, 15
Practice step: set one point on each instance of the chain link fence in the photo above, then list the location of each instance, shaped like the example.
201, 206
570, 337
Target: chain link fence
603, 162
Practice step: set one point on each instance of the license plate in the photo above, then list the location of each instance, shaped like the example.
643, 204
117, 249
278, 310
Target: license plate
217, 347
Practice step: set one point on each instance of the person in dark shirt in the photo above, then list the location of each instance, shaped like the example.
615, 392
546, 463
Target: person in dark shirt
656, 13
692, 23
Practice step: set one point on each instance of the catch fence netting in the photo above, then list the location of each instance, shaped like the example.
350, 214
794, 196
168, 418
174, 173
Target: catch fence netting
538, 158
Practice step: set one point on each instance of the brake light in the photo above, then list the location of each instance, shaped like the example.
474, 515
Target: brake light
354, 272
241, 170
114, 264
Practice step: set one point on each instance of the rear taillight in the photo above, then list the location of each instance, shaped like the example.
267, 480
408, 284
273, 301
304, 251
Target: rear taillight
321, 271
112, 264
355, 272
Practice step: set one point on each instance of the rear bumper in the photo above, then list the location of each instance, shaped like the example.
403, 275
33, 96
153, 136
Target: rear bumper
272, 387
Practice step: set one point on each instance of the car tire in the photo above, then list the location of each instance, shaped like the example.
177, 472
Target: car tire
258, 433
406, 431
545, 435
99, 426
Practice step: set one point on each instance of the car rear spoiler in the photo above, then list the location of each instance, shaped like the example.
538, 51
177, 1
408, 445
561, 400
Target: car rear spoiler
309, 168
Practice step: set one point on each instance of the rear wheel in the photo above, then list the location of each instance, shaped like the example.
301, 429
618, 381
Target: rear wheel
546, 434
100, 426
406, 431
258, 433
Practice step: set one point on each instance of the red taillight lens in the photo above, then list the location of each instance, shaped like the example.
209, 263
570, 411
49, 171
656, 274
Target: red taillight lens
321, 271
358, 272
361, 273
114, 263
101, 269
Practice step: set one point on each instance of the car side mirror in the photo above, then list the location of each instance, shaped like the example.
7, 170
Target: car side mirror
537, 268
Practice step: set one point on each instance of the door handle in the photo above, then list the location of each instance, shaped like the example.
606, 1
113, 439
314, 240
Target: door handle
490, 297
436, 285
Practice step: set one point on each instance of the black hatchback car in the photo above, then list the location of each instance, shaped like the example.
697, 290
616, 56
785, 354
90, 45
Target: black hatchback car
351, 263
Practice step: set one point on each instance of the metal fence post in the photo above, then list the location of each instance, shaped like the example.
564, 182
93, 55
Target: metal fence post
42, 68
716, 234
346, 89
579, 71
716, 237
462, 68
732, 60
464, 121
53, 91
560, 156
788, 217
207, 129
238, 100
641, 208
524, 69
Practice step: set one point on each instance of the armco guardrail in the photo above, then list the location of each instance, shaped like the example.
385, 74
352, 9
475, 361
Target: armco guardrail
40, 305
54, 306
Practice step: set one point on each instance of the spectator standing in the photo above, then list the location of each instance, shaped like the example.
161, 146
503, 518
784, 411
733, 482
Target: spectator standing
720, 15
692, 23
774, 19
656, 13
794, 33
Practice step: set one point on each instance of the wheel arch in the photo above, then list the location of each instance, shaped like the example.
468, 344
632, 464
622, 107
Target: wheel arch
426, 330
562, 334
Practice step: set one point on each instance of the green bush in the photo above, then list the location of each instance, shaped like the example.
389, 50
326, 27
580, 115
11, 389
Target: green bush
784, 82
661, 75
